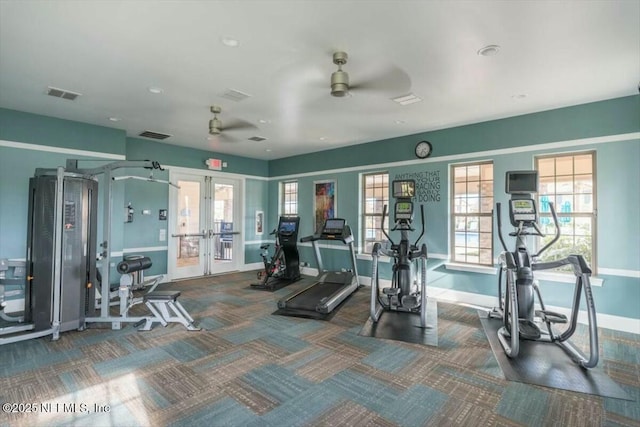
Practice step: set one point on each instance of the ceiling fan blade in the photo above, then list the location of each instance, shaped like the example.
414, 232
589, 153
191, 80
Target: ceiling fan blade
222, 139
236, 124
391, 80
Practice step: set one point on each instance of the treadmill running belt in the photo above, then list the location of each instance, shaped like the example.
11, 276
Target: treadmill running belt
309, 299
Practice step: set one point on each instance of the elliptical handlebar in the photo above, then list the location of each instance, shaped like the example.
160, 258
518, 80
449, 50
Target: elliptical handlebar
499, 219
556, 237
422, 220
384, 214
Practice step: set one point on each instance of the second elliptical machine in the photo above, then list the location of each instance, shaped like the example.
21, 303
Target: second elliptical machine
408, 291
521, 321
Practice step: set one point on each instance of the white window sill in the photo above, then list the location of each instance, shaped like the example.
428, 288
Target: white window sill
483, 269
551, 276
539, 275
368, 257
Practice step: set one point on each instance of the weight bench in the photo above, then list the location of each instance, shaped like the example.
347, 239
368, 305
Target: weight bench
163, 304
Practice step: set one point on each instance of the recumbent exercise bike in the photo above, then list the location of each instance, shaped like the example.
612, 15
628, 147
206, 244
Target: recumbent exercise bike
516, 305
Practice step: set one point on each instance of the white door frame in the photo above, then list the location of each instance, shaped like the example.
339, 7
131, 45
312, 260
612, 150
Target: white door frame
238, 209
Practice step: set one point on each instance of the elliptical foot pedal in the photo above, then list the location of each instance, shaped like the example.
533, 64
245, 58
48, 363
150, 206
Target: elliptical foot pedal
391, 291
551, 316
528, 329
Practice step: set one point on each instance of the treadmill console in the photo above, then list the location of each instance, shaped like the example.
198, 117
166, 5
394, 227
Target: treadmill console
333, 228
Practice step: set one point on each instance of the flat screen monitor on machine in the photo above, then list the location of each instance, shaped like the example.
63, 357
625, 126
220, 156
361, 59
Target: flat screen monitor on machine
521, 182
404, 189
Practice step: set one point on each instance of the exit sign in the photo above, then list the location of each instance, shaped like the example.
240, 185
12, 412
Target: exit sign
214, 164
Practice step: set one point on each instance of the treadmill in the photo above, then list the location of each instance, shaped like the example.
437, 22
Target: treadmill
330, 287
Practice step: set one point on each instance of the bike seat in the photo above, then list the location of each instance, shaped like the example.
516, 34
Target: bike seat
391, 291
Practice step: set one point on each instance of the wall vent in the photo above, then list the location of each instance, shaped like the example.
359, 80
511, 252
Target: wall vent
154, 135
235, 95
257, 138
62, 93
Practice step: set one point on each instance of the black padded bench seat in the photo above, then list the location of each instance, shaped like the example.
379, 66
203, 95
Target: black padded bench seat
162, 296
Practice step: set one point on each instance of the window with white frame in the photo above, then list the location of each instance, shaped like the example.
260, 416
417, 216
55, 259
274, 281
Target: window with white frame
375, 195
569, 182
472, 213
289, 197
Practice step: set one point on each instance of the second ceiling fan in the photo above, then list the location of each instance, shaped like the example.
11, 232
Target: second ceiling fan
217, 129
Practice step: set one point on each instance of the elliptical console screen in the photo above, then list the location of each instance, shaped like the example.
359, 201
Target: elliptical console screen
404, 210
404, 189
333, 226
523, 210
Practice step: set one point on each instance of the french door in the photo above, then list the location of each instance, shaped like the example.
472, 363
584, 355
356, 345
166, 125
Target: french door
205, 225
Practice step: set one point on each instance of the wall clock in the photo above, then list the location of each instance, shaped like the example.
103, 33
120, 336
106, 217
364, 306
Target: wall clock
423, 149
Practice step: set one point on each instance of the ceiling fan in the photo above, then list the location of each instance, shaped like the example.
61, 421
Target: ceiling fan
216, 128
390, 79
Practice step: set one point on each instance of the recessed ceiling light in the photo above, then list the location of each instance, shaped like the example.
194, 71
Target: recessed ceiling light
114, 119
489, 50
230, 42
399, 122
156, 90
323, 138
263, 121
268, 150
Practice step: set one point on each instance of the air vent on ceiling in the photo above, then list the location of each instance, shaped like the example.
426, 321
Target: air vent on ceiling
62, 93
235, 95
257, 138
407, 99
154, 135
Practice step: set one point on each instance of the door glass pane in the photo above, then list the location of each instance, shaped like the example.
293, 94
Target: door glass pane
188, 223
223, 223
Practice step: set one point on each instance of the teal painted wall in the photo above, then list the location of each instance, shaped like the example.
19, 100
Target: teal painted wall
17, 165
140, 149
617, 116
618, 199
618, 178
256, 200
42, 130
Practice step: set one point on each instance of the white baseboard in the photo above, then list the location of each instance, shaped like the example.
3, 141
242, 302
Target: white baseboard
252, 266
486, 302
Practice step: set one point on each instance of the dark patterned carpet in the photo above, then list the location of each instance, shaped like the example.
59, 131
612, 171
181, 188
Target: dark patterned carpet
251, 368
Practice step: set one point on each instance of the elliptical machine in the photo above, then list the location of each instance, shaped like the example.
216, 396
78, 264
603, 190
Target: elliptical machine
516, 307
404, 295
284, 267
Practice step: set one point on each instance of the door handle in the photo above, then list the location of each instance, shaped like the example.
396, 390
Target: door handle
225, 234
189, 235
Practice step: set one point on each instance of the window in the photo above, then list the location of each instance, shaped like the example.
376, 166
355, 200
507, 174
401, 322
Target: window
472, 213
568, 181
375, 196
289, 192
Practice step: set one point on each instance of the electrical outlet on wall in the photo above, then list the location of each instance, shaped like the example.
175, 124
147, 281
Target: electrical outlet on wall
163, 234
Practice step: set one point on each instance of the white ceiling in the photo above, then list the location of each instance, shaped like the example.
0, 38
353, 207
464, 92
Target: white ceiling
557, 53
